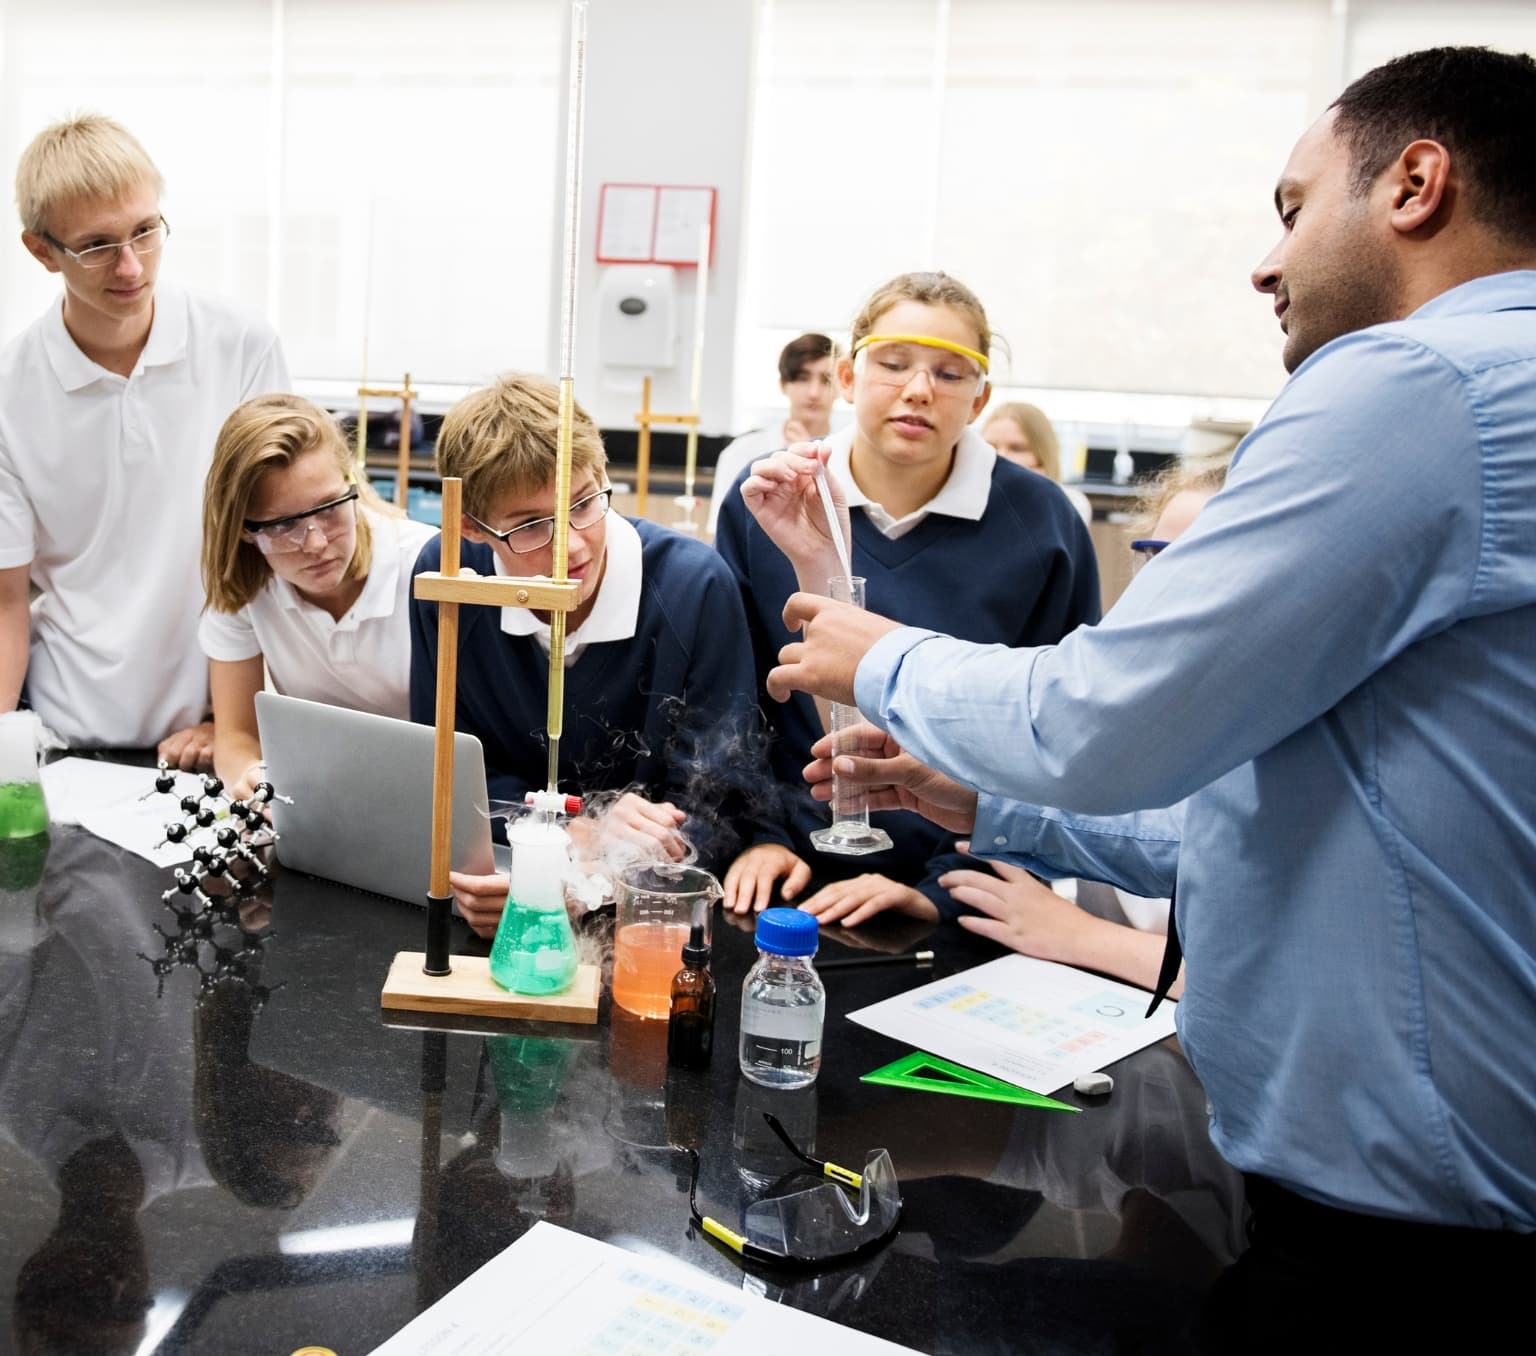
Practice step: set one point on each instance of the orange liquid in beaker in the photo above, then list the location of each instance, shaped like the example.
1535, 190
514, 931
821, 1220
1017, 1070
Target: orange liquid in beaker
645, 957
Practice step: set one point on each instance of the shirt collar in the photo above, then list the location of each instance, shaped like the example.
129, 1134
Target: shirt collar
963, 495
1512, 291
616, 609
167, 342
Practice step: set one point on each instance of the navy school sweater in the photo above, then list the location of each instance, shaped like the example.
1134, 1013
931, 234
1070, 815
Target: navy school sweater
1024, 574
670, 713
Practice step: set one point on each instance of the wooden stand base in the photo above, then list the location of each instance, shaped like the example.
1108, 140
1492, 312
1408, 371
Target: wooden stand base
471, 990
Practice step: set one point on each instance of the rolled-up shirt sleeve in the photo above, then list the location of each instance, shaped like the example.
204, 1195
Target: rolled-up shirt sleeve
1137, 852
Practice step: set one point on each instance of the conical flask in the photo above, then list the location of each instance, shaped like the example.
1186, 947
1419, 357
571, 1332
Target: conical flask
535, 950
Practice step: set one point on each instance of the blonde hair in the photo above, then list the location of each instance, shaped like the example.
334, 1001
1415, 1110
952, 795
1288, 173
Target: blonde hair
1038, 428
504, 440
931, 289
1204, 473
268, 433
87, 156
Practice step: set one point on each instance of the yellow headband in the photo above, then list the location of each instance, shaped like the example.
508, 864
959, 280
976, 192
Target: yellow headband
927, 342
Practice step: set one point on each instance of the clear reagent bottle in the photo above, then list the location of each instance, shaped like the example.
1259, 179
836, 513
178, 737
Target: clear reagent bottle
783, 1004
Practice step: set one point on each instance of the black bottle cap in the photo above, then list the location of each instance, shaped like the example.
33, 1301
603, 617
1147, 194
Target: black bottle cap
695, 953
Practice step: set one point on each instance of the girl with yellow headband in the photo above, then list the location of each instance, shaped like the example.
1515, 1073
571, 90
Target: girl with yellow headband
947, 534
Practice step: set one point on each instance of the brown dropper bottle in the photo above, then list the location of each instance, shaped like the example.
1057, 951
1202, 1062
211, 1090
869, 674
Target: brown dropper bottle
691, 1024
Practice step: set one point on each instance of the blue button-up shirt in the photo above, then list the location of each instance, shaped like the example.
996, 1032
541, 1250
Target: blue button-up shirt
1337, 666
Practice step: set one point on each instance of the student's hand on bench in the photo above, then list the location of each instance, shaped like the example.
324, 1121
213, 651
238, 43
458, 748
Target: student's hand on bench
894, 780
191, 749
1019, 911
782, 494
481, 900
857, 900
750, 881
244, 787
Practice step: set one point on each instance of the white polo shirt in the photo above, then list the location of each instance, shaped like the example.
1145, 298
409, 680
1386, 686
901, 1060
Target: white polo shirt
963, 495
101, 492
362, 661
616, 609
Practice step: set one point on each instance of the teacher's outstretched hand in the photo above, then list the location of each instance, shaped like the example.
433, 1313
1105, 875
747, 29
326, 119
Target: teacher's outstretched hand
834, 638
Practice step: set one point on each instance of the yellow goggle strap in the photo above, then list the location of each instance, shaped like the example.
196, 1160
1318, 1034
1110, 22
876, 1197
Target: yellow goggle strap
927, 341
846, 1176
736, 1242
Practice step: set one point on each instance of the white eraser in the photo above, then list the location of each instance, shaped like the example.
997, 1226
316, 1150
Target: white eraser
1094, 1084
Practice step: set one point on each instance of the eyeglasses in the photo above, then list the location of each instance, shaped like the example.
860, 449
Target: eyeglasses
896, 364
1144, 551
145, 242
815, 1224
535, 535
278, 536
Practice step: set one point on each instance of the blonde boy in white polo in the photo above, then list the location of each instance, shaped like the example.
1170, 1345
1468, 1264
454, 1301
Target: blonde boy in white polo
109, 406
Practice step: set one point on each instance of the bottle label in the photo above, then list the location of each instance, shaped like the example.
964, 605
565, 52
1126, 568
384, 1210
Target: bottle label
779, 1052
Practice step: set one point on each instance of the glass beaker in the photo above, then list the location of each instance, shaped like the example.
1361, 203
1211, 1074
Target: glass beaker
654, 909
23, 811
535, 950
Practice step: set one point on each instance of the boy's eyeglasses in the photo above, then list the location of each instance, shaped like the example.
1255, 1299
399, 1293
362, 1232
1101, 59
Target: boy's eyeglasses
278, 536
534, 536
896, 364
821, 1221
1145, 550
145, 242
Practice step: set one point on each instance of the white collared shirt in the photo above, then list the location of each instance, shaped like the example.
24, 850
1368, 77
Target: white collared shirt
962, 495
363, 660
616, 608
101, 493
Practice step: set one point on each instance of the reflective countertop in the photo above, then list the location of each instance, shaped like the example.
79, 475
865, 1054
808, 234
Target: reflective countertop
213, 1140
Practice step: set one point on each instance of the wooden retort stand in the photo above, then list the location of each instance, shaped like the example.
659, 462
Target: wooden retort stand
644, 419
406, 395
427, 981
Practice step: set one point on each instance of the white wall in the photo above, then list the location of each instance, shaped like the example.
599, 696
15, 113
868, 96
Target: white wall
669, 97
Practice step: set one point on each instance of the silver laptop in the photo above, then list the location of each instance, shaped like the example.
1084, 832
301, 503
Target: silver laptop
362, 797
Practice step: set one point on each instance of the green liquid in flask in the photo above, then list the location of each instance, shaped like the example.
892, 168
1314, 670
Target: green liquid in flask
23, 811
535, 950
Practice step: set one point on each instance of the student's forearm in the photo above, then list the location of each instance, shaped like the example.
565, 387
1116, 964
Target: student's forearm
15, 644
233, 753
1125, 952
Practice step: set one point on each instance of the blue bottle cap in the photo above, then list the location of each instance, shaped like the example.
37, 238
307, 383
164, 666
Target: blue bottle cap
787, 932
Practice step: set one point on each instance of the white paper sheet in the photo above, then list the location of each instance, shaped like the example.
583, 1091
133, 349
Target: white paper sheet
559, 1293
107, 799
1027, 1021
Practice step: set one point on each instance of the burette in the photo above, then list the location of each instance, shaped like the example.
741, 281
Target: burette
575, 110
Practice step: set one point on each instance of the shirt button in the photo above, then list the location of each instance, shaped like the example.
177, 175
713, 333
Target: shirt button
1000, 841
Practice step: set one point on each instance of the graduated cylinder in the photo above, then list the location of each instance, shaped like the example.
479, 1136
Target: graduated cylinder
850, 834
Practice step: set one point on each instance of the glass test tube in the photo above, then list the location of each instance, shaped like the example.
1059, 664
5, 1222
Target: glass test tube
850, 834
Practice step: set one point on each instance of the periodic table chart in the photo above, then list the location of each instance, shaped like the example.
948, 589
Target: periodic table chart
559, 1293
1030, 1022
663, 1318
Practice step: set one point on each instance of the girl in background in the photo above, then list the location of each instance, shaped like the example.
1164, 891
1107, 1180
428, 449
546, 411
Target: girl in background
1024, 434
307, 574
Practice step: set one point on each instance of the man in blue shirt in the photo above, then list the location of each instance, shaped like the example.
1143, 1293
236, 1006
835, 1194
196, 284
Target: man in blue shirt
1337, 667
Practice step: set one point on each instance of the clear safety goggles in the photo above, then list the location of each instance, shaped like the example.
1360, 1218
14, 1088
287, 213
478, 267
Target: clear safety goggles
895, 359
277, 536
803, 1222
